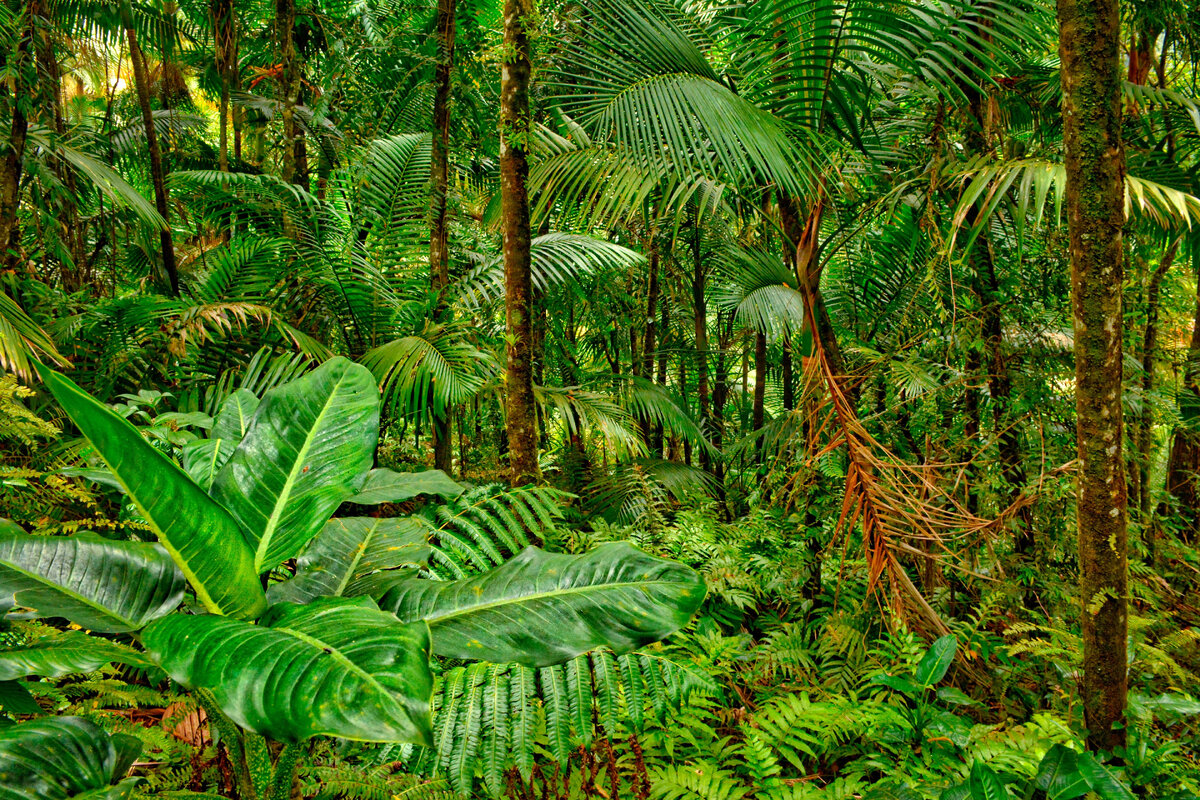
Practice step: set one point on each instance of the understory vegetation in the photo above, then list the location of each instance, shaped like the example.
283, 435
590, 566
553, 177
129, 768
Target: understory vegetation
648, 399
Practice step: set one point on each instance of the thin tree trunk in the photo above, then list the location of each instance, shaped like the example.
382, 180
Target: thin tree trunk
515, 127
1089, 41
14, 154
439, 253
700, 329
141, 83
1145, 425
760, 380
664, 324
1184, 460
225, 44
289, 85
789, 385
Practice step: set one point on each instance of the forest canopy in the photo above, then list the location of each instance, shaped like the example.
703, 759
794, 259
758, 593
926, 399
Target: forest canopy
650, 399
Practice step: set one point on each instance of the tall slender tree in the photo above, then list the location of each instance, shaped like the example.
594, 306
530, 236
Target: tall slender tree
439, 254
1089, 39
515, 128
141, 81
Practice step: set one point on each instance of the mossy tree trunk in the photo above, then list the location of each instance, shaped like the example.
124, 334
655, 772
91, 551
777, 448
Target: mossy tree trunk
1089, 38
439, 253
515, 126
141, 82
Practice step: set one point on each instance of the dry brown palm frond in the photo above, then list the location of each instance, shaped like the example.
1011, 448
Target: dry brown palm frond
903, 509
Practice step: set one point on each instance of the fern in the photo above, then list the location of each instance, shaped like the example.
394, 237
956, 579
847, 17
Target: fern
490, 718
485, 526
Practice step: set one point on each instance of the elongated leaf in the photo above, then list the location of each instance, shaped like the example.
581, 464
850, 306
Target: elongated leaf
15, 699
63, 654
308, 450
201, 536
1101, 779
335, 667
1058, 775
937, 661
985, 784
544, 608
203, 459
387, 486
63, 757
233, 420
104, 585
351, 556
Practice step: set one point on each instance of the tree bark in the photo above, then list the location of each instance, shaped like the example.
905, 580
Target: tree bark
439, 253
515, 127
760, 380
141, 82
1184, 460
1143, 438
289, 86
225, 45
1089, 41
14, 154
700, 331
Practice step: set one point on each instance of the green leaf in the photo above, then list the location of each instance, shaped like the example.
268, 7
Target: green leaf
387, 486
985, 784
351, 556
203, 459
902, 685
937, 661
16, 700
307, 451
1058, 775
64, 654
201, 536
100, 584
63, 757
234, 417
545, 608
335, 667
1101, 779
953, 696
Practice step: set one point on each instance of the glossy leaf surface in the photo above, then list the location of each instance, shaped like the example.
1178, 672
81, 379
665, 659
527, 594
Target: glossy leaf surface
64, 757
545, 608
63, 654
201, 536
308, 450
100, 584
389, 486
335, 667
352, 556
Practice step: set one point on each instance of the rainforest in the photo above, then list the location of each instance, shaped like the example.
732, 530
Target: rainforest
599, 400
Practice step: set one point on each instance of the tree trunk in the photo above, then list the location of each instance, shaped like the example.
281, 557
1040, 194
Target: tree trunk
700, 329
289, 86
760, 380
1184, 461
1143, 437
13, 166
1089, 40
141, 83
439, 253
515, 130
225, 45
789, 386
664, 324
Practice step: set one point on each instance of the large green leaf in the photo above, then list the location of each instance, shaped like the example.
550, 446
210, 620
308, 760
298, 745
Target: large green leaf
336, 667
308, 450
63, 757
63, 654
1058, 775
351, 556
201, 536
204, 459
388, 486
233, 419
545, 608
101, 584
937, 661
